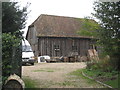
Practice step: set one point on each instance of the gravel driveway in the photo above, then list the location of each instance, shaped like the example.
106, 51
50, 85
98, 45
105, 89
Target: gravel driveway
56, 75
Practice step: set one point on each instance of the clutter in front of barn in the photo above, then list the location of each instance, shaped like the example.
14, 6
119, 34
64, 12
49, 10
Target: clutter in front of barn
72, 57
93, 54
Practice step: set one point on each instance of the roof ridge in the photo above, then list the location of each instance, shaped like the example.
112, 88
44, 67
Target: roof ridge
58, 16
53, 16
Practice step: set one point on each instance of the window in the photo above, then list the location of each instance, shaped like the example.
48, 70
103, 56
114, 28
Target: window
26, 48
56, 47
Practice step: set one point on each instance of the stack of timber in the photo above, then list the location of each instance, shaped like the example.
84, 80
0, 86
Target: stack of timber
92, 54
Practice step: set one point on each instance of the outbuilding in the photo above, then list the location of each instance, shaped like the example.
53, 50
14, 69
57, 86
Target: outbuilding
57, 36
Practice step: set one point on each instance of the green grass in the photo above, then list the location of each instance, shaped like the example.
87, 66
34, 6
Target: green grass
44, 70
50, 71
39, 70
78, 73
29, 83
65, 83
106, 76
97, 73
113, 83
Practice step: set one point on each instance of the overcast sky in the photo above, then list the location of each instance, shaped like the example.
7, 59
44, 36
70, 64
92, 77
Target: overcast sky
71, 8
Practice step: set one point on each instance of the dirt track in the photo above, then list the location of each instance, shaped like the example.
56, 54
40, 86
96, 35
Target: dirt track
56, 75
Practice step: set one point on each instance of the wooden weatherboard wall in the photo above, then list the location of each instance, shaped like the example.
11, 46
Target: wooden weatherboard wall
62, 46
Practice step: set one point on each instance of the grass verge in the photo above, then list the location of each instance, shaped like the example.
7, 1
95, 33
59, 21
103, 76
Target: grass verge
29, 83
113, 83
65, 83
78, 73
109, 78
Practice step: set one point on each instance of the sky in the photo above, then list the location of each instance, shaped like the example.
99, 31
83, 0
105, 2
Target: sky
69, 8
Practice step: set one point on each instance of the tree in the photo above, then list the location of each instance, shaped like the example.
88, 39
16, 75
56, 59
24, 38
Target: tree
13, 18
108, 14
89, 27
9, 43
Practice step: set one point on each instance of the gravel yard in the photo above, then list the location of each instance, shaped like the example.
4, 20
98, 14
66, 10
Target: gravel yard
56, 75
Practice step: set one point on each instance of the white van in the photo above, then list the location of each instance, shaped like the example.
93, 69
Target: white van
27, 53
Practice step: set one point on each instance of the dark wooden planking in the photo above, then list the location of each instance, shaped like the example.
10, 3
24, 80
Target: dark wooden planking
46, 46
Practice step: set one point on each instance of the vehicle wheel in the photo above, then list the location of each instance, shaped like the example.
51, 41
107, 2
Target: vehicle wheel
32, 63
47, 61
23, 64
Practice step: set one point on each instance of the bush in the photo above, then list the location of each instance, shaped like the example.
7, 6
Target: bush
9, 43
93, 64
103, 64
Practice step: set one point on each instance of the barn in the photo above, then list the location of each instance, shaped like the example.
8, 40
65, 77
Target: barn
57, 36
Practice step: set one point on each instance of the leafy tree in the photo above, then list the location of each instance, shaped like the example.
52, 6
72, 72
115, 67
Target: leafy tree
89, 27
9, 43
108, 14
13, 18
